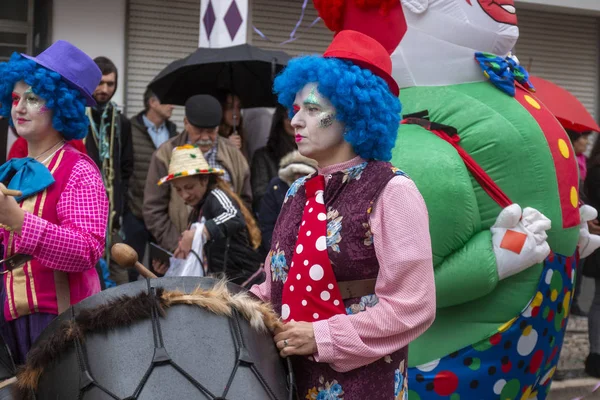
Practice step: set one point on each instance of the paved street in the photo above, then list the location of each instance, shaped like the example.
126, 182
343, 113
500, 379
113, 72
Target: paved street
580, 388
570, 380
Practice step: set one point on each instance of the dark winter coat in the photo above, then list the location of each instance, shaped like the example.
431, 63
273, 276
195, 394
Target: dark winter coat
291, 165
143, 147
270, 206
591, 266
264, 168
228, 250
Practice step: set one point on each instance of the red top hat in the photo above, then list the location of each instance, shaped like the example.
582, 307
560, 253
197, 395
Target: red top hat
383, 20
365, 52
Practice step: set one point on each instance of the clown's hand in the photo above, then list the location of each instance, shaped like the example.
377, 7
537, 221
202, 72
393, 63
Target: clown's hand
519, 239
588, 242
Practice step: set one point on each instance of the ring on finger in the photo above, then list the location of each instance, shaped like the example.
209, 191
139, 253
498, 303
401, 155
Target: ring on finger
285, 343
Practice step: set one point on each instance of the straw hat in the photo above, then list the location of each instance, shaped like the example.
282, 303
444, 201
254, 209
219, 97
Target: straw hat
186, 161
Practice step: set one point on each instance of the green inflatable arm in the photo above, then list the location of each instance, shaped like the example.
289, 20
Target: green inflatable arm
464, 261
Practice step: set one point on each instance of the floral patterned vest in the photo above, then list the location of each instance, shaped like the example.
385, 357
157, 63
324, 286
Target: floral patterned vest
349, 198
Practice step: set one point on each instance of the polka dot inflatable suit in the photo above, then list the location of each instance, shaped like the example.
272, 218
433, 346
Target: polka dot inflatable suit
311, 293
515, 363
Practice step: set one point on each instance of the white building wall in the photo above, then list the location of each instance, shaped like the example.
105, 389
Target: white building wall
99, 28
96, 27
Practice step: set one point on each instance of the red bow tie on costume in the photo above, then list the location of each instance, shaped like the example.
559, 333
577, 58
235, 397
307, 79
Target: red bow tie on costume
311, 292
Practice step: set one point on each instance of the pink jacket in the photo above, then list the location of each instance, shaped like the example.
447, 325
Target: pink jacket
64, 230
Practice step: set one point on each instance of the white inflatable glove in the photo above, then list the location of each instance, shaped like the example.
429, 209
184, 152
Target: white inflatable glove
519, 239
587, 241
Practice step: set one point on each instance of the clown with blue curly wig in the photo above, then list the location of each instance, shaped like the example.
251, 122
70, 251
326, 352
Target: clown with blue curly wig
53, 205
354, 280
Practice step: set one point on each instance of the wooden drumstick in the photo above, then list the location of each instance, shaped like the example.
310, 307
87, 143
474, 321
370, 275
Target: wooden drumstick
127, 257
8, 382
10, 192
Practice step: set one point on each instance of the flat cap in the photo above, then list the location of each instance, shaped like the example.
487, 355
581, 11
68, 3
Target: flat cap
203, 111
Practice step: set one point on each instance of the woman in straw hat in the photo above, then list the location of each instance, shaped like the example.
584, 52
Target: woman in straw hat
54, 232
230, 234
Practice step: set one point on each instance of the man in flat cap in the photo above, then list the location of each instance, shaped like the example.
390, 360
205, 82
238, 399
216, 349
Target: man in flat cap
165, 213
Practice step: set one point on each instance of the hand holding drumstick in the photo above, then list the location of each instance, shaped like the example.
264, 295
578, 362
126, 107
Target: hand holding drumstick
11, 215
10, 192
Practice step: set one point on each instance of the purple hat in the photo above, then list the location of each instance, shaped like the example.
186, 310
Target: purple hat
73, 65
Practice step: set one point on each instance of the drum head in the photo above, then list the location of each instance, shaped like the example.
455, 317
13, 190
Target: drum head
200, 359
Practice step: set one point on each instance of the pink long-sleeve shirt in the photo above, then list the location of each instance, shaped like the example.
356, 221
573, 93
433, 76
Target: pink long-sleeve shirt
72, 243
78, 242
405, 284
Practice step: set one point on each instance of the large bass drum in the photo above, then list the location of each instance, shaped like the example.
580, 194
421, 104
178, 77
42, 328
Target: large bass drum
7, 372
140, 341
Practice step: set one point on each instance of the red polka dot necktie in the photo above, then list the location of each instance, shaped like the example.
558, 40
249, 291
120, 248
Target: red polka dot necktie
311, 292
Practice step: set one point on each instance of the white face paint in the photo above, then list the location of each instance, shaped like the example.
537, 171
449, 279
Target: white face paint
29, 112
318, 132
444, 33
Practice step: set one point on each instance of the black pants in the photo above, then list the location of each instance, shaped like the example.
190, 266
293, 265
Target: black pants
136, 236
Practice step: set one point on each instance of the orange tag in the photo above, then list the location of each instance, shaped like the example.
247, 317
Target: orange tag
513, 241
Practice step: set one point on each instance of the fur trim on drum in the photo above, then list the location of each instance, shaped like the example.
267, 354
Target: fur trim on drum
125, 310
220, 301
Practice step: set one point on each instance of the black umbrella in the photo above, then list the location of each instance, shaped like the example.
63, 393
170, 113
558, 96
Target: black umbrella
246, 70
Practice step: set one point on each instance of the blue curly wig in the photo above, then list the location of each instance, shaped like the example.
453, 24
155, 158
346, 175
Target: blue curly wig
67, 104
363, 101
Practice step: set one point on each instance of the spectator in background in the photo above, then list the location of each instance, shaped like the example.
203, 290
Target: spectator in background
230, 234
292, 166
257, 126
165, 213
149, 129
4, 146
231, 124
265, 162
579, 140
108, 143
12, 137
591, 267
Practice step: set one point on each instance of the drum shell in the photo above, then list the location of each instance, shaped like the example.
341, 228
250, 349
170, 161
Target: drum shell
200, 342
7, 372
7, 365
6, 392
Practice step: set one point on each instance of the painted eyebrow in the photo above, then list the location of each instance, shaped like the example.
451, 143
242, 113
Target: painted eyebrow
307, 101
